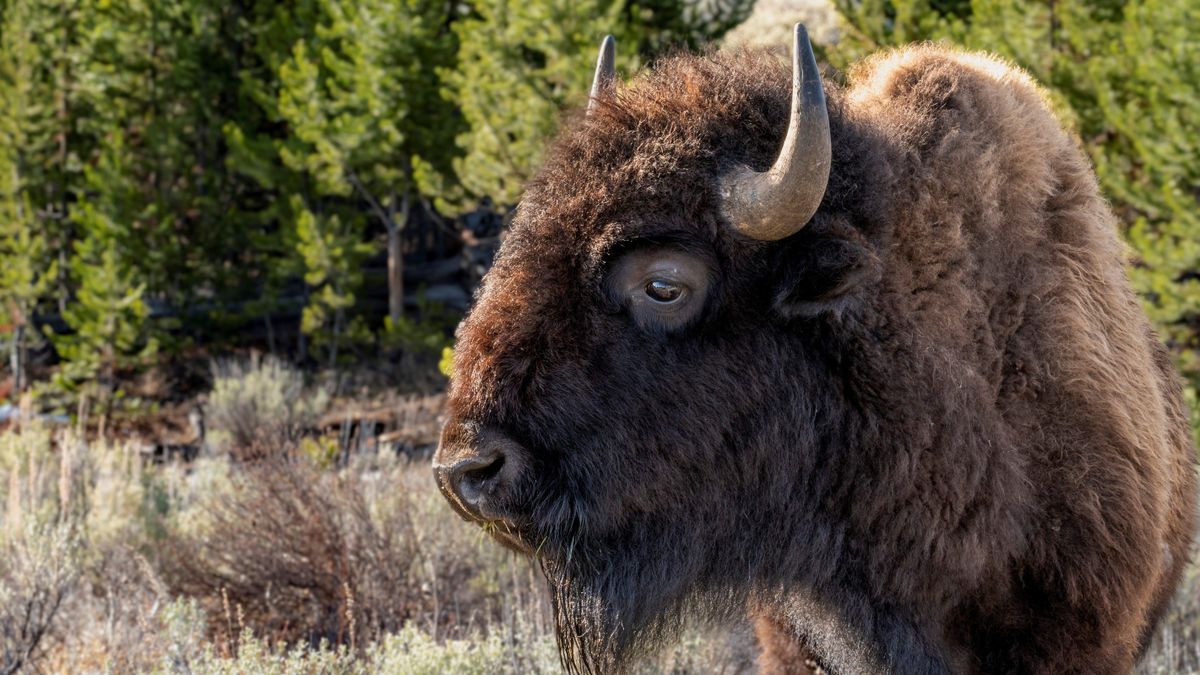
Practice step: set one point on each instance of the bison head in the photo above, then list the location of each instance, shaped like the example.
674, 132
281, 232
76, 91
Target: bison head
645, 391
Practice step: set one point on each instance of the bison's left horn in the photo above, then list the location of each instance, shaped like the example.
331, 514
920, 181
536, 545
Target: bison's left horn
779, 202
604, 84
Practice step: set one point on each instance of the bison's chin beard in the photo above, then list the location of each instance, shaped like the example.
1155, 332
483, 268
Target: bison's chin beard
617, 601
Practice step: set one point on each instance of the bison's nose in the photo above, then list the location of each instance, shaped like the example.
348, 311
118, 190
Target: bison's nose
470, 479
476, 469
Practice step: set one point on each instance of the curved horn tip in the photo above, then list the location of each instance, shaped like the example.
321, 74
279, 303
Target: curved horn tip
605, 80
779, 202
805, 71
801, 32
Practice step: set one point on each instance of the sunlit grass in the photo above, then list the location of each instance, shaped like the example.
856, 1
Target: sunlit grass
374, 573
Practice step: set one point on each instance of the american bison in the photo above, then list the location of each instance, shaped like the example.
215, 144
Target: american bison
887, 388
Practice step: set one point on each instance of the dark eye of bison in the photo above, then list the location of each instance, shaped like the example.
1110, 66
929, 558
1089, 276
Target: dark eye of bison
663, 291
662, 288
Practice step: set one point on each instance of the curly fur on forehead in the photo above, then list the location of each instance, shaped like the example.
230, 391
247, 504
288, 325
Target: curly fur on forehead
674, 126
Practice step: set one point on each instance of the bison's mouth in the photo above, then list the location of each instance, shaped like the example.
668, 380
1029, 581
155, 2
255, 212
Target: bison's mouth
505, 532
508, 536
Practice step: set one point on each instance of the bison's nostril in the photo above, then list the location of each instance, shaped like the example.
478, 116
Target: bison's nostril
484, 474
478, 468
475, 478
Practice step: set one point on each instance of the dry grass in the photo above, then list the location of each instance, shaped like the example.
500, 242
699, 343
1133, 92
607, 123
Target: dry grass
107, 563
38, 572
293, 564
295, 554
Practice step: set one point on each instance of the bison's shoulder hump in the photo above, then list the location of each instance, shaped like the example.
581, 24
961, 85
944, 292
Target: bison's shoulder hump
938, 77
925, 92
979, 132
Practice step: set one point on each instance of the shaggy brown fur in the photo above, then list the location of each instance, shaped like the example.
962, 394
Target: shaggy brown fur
930, 433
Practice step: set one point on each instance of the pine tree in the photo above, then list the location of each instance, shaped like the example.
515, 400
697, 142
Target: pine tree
520, 62
181, 155
108, 315
139, 116
35, 164
162, 77
254, 139
1145, 131
333, 252
365, 118
23, 280
40, 53
661, 25
26, 271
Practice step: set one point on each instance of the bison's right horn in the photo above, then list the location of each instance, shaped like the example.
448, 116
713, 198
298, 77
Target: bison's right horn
779, 202
604, 84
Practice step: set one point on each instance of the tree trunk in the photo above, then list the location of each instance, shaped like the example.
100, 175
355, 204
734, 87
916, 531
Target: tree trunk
270, 332
301, 338
394, 224
18, 358
337, 337
395, 267
395, 255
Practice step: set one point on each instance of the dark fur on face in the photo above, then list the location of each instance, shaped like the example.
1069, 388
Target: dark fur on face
931, 432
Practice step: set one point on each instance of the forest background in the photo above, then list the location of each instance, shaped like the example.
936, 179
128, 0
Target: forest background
203, 176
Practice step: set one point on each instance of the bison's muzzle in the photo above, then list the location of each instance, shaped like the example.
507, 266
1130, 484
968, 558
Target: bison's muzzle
478, 470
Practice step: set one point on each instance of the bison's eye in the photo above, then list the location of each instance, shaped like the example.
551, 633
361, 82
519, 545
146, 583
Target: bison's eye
661, 290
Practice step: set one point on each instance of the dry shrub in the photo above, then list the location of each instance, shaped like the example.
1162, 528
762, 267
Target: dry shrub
39, 545
296, 554
114, 626
75, 593
38, 570
260, 404
474, 584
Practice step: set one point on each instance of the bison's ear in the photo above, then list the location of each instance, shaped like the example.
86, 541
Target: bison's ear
818, 273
